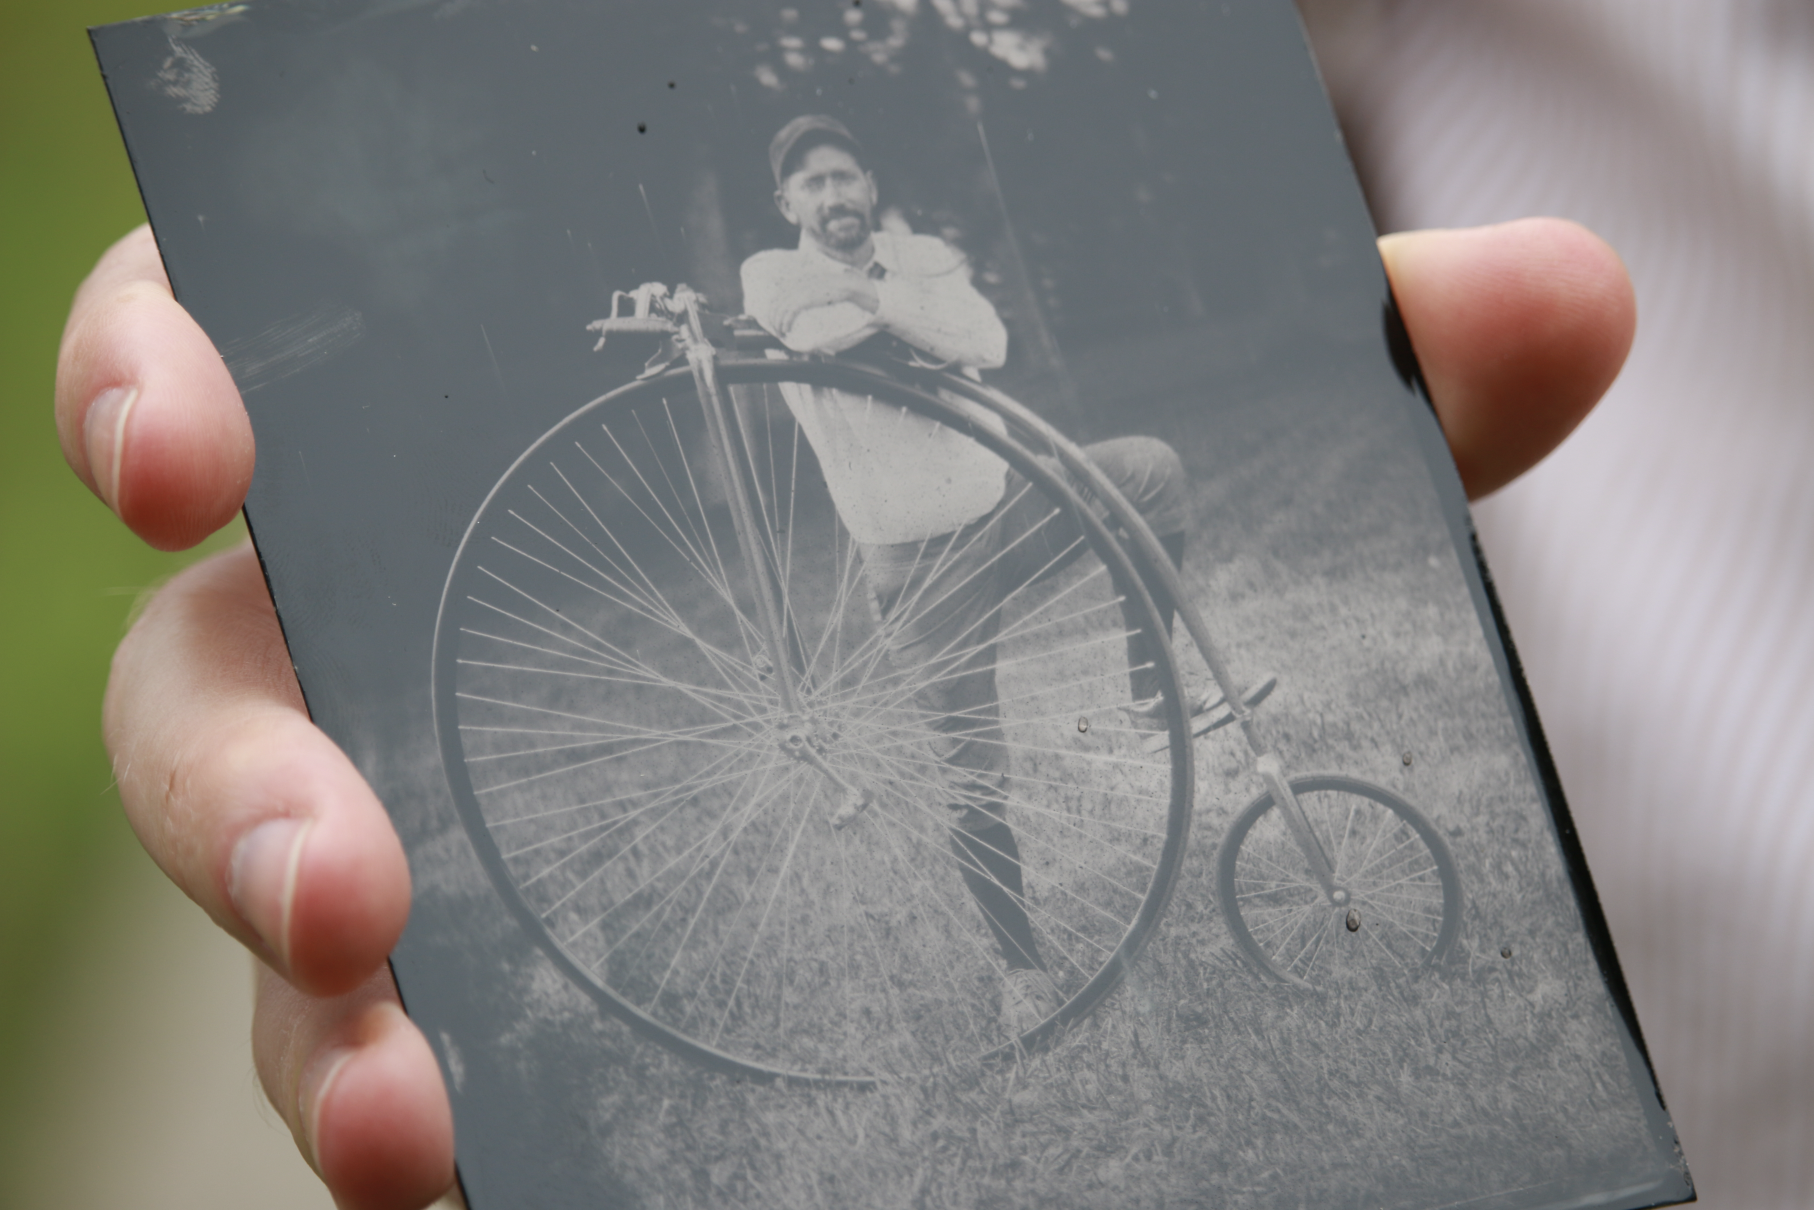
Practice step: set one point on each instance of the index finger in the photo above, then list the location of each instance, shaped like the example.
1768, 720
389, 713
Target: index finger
147, 413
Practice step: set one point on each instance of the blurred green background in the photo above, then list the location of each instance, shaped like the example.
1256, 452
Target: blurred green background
69, 571
124, 1071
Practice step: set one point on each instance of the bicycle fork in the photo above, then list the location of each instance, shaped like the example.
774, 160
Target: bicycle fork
798, 736
1266, 761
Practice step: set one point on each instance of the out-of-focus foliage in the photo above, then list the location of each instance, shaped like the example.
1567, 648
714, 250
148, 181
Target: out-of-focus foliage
1020, 34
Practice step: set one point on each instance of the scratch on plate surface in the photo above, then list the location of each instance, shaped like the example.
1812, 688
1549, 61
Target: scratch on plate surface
292, 345
208, 13
188, 78
456, 1063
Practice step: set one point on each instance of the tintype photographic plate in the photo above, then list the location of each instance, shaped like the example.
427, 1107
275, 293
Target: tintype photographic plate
891, 565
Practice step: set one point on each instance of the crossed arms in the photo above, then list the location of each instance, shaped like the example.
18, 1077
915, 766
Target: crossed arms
922, 296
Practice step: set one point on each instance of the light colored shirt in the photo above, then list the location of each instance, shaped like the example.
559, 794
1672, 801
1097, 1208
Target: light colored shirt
895, 476
1658, 569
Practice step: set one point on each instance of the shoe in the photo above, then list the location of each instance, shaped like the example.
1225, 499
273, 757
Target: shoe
1148, 714
1206, 714
1028, 996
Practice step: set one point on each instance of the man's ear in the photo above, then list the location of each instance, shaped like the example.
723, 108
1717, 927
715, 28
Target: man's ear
787, 211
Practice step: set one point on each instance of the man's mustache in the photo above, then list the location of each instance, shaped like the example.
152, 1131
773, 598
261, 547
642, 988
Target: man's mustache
845, 212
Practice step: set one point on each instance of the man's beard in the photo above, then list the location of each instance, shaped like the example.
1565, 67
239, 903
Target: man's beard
844, 243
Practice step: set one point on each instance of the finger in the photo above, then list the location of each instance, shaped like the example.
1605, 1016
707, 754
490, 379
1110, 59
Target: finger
360, 1090
247, 806
148, 416
1519, 329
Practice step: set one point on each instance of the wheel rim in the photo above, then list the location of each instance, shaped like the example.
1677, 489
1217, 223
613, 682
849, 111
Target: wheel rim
620, 757
1396, 908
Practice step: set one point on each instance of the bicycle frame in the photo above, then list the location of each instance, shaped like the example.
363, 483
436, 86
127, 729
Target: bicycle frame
843, 732
686, 330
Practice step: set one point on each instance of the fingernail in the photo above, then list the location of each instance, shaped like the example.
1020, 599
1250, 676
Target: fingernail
261, 880
104, 432
329, 1064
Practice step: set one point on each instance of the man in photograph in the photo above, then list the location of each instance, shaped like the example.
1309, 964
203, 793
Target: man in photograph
945, 528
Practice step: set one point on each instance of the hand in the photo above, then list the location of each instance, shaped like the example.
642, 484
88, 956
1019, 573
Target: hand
267, 825
254, 813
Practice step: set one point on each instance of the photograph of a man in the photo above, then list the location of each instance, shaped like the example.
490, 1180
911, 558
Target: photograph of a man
946, 530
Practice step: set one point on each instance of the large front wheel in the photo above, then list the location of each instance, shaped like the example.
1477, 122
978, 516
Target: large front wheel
675, 833
1395, 902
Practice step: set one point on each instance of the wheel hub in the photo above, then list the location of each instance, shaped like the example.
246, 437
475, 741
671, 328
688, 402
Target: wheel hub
806, 739
803, 737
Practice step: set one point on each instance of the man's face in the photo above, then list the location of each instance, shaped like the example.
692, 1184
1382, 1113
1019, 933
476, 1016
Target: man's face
830, 198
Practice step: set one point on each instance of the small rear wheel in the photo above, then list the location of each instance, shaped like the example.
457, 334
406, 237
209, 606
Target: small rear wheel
1396, 901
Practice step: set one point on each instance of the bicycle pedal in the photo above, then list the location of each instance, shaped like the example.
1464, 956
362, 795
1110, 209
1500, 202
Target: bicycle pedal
850, 808
1215, 719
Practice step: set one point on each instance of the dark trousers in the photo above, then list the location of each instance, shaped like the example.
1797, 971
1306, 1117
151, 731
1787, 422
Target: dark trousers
940, 602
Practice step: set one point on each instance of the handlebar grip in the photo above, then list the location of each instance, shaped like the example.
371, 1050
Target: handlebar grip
632, 326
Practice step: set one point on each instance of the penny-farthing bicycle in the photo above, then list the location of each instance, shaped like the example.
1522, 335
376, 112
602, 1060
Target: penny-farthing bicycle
693, 764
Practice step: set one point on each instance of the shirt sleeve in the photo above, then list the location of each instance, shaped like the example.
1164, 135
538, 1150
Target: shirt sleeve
930, 303
762, 288
770, 278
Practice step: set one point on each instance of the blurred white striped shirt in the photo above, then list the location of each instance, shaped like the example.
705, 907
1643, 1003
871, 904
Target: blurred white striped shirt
1658, 570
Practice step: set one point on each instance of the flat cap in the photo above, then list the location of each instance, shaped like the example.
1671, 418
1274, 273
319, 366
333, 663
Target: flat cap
806, 126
